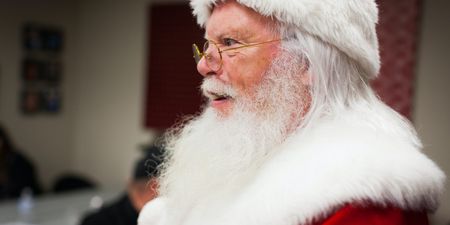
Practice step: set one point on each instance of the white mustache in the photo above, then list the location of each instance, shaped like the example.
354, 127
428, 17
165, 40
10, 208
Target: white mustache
212, 87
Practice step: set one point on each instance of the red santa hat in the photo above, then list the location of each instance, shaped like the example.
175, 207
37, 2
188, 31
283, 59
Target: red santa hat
349, 25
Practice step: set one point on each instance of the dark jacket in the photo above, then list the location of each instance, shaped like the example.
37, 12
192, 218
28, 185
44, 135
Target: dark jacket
20, 174
120, 212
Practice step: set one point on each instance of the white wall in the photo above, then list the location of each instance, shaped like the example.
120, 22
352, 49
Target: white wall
111, 87
432, 104
111, 81
43, 138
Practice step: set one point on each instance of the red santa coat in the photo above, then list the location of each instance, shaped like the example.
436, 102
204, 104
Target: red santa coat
316, 174
374, 215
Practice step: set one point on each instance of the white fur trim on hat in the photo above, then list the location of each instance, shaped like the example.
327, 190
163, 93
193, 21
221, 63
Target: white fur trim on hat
349, 25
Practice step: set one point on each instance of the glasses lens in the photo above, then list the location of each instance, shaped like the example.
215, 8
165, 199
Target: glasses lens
212, 56
197, 53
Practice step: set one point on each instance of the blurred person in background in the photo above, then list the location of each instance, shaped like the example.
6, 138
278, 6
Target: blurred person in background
141, 189
17, 173
292, 133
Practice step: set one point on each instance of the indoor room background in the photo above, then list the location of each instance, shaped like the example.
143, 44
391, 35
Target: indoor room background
101, 124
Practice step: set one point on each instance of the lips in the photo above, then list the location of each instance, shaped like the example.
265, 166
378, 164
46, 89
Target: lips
218, 97
219, 101
219, 94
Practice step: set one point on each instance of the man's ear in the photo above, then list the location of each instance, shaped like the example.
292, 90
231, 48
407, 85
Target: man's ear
153, 184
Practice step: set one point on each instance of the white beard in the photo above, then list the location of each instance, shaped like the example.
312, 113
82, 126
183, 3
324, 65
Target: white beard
212, 155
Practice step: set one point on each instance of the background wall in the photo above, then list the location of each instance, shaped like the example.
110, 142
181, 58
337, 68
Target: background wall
47, 140
101, 124
109, 121
432, 105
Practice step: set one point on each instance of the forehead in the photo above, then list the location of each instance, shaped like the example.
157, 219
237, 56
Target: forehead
232, 17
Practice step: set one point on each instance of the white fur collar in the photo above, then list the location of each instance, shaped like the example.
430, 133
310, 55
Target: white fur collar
336, 162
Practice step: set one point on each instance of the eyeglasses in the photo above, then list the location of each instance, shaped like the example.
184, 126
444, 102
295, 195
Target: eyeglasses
213, 57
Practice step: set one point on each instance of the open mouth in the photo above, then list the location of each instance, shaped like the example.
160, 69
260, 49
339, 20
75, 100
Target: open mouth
218, 97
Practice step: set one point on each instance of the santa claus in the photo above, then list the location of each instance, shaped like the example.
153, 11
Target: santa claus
292, 133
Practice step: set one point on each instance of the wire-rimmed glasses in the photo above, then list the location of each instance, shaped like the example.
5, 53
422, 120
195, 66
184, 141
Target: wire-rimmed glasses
213, 54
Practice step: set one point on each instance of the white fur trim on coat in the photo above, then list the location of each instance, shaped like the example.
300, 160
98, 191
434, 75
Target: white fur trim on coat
338, 161
348, 25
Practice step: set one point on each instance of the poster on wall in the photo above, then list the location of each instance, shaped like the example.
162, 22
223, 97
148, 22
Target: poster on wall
42, 69
42, 38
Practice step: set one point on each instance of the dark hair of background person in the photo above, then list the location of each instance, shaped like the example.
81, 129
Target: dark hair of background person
17, 172
140, 189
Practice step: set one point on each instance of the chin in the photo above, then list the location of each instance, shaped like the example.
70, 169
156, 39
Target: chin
223, 108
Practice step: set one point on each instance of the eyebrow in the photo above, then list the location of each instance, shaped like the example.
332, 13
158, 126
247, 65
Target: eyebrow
233, 33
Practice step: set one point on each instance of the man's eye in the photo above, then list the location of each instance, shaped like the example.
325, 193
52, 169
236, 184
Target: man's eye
229, 42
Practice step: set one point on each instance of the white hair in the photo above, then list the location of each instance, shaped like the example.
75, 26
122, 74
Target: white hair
338, 85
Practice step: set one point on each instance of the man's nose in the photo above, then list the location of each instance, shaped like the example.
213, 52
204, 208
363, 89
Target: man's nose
203, 68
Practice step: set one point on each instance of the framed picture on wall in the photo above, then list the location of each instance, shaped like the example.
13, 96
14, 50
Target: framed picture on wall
51, 100
42, 69
32, 38
42, 38
32, 70
31, 101
52, 72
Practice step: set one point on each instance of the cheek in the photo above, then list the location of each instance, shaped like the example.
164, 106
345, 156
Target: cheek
246, 76
246, 71
251, 71
255, 70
